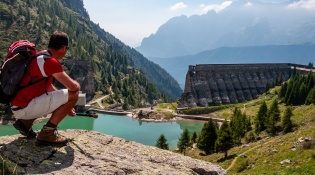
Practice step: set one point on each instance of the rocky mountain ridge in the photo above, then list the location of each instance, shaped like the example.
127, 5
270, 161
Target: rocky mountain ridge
292, 53
243, 23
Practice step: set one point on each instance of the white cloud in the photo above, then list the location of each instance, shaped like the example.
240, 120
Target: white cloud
306, 4
178, 6
216, 7
248, 4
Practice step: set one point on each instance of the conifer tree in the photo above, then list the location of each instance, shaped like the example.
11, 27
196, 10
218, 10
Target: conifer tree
273, 117
207, 138
310, 99
310, 65
302, 94
274, 110
183, 142
286, 121
238, 125
161, 142
194, 138
310, 81
283, 90
261, 118
224, 141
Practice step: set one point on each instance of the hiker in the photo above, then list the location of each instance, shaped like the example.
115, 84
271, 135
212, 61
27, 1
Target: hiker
43, 98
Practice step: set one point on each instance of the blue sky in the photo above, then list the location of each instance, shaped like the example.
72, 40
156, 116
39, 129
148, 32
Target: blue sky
132, 20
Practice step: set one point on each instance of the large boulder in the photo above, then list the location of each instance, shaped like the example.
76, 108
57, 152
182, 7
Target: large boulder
91, 152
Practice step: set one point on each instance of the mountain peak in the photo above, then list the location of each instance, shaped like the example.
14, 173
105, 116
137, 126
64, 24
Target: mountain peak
242, 23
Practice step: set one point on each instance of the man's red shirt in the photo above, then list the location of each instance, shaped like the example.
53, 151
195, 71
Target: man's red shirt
49, 66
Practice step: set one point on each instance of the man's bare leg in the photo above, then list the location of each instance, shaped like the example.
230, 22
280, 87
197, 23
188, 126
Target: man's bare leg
60, 113
47, 135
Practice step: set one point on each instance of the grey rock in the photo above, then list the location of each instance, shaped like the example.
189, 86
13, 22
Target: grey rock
285, 161
91, 152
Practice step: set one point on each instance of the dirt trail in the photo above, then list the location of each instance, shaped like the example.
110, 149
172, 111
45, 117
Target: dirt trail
235, 159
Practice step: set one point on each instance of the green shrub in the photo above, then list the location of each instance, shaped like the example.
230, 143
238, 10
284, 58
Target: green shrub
243, 166
309, 144
250, 137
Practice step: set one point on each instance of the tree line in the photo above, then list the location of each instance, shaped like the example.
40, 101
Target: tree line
299, 89
214, 138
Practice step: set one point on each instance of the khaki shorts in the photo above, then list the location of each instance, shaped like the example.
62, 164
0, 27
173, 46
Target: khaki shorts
42, 105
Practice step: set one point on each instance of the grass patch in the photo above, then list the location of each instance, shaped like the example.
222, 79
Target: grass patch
7, 167
170, 106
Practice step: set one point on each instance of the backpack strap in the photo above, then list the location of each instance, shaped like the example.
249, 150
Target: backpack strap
46, 54
32, 83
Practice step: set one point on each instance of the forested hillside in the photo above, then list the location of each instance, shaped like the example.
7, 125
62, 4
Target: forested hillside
132, 78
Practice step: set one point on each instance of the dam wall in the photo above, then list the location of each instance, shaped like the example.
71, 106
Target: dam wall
217, 84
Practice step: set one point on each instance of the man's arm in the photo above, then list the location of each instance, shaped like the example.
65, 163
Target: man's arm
68, 82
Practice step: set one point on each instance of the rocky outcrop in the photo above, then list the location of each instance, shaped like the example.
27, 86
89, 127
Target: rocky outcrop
216, 84
96, 153
76, 6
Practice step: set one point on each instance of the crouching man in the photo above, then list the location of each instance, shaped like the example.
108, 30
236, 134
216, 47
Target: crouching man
43, 98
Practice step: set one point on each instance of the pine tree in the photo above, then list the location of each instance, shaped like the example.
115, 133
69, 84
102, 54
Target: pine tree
273, 117
311, 65
125, 105
286, 121
183, 142
194, 138
161, 142
274, 110
207, 138
283, 89
310, 81
261, 119
303, 91
238, 125
224, 141
310, 97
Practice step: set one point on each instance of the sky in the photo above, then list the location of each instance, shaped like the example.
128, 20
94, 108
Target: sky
132, 20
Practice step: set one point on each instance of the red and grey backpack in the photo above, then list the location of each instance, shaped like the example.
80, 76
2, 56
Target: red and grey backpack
15, 64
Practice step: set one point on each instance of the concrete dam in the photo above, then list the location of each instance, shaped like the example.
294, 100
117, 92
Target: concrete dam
216, 84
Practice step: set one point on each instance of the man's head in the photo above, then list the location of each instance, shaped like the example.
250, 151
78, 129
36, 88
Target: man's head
58, 44
58, 40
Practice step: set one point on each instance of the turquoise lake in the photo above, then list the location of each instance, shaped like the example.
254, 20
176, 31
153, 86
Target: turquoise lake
124, 127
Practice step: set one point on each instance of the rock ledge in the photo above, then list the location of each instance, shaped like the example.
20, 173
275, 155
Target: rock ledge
91, 152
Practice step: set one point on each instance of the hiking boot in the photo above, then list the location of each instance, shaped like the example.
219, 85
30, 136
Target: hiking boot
25, 127
49, 136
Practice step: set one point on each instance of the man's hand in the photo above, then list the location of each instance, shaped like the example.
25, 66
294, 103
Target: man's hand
72, 113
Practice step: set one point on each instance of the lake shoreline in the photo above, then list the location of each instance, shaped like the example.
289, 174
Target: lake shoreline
133, 115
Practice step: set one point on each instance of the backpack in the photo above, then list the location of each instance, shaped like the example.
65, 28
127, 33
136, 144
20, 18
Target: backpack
15, 64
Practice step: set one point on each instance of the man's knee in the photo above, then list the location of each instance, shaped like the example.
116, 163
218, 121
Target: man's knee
73, 96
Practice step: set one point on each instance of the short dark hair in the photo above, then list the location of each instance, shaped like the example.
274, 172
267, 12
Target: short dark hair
58, 40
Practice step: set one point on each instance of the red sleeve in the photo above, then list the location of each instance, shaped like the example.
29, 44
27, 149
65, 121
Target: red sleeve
52, 66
